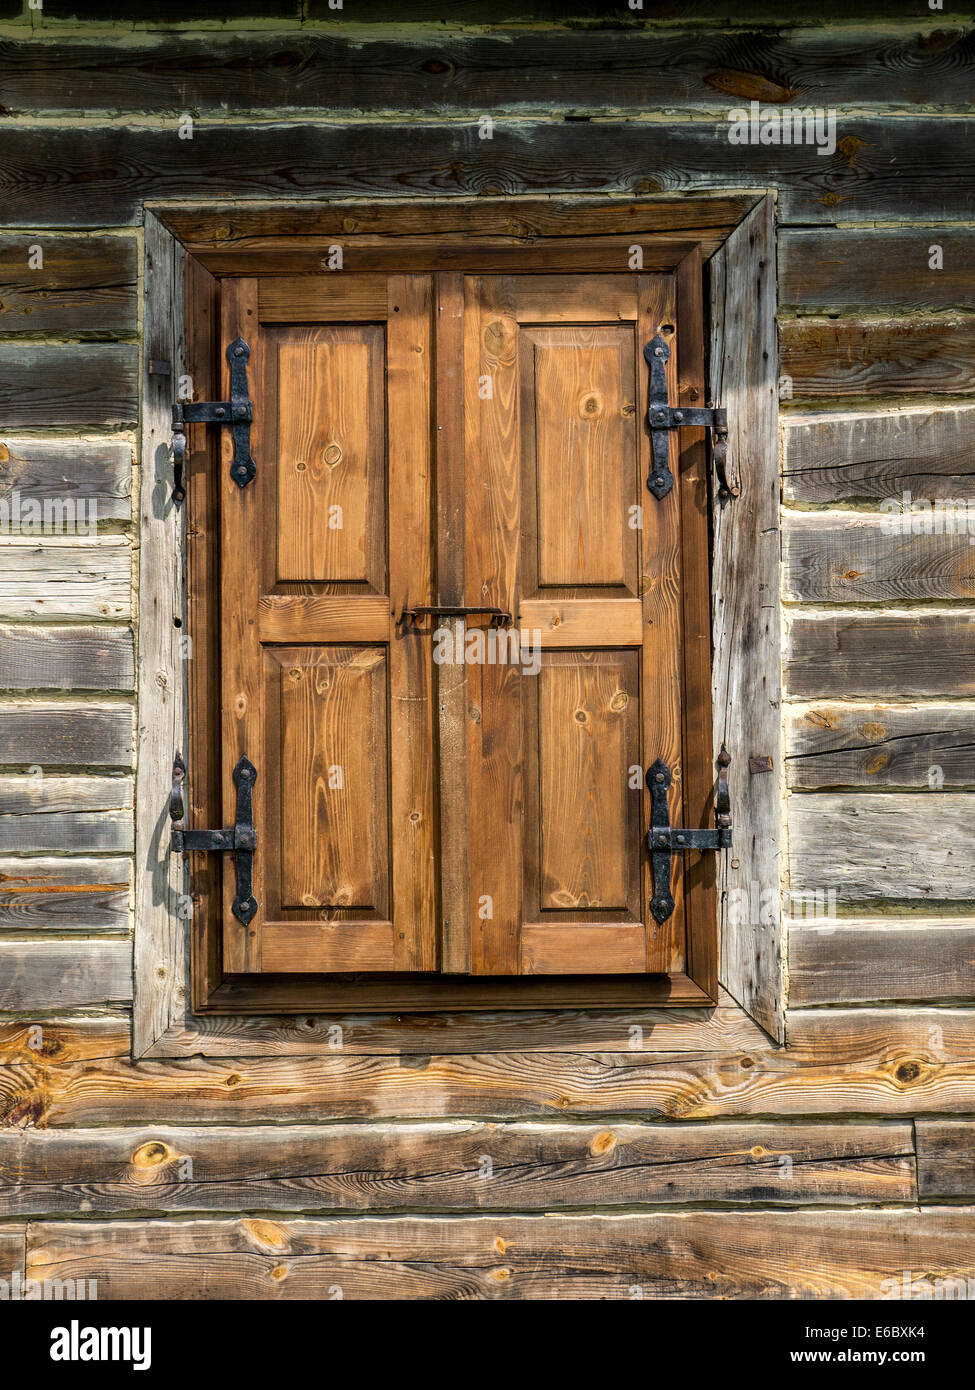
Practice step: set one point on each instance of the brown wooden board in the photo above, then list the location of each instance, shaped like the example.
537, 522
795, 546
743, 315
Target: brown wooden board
881, 655
926, 746
68, 285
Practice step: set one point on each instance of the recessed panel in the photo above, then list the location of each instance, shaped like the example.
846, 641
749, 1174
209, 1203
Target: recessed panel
330, 454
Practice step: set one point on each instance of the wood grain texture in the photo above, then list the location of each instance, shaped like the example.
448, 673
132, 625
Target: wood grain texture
104, 1034
65, 578
839, 358
90, 384
884, 655
926, 746
84, 284
66, 658
746, 621
878, 454
66, 735
945, 1158
767, 1255
851, 557
858, 845
818, 270
458, 1166
94, 476
52, 975
43, 815
881, 958
65, 894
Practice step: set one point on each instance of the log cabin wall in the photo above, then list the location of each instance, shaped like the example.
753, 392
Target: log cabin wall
506, 1155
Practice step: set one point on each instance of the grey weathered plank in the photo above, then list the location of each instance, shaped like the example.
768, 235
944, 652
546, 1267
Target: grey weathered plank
85, 284
865, 847
94, 476
65, 894
102, 174
65, 735
45, 385
459, 1165
870, 960
878, 454
51, 975
66, 658
945, 1158
930, 746
856, 557
62, 578
827, 358
41, 814
854, 654
732, 1254
13, 1250
820, 269
746, 625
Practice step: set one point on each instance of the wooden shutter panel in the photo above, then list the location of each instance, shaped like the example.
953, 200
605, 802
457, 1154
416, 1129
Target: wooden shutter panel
328, 697
556, 460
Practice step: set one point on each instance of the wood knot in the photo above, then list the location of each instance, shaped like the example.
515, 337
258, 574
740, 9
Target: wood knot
602, 1143
908, 1072
152, 1154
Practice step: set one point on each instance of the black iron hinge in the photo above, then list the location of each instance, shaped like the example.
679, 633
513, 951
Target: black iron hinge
662, 417
240, 839
664, 839
238, 413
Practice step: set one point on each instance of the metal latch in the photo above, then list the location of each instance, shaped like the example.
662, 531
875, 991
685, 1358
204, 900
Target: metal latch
238, 413
663, 839
662, 417
240, 839
498, 617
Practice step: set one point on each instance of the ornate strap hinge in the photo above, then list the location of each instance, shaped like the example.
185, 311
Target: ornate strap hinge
663, 839
240, 839
237, 413
662, 417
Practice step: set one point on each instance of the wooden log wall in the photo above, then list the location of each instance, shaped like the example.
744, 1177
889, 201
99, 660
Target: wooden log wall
233, 1169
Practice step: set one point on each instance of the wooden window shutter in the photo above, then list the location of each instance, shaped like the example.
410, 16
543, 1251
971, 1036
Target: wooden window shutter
330, 702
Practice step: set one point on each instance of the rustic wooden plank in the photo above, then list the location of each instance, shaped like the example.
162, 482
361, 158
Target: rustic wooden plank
101, 1035
833, 358
768, 1255
878, 454
746, 624
853, 654
159, 950
68, 284
65, 894
873, 959
820, 269
23, 796
91, 384
64, 974
945, 1158
82, 832
13, 1250
461, 1166
848, 745
453, 70
87, 480
66, 578
102, 174
856, 557
65, 735
862, 846
66, 658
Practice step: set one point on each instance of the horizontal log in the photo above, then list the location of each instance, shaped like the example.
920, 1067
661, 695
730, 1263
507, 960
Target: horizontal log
85, 481
68, 285
882, 958
866, 456
39, 793
13, 1250
458, 1166
866, 1061
70, 1039
77, 578
945, 1158
232, 73
45, 386
820, 269
65, 894
826, 358
42, 814
52, 975
71, 735
853, 557
66, 658
910, 168
707, 1254
895, 655
928, 746
862, 847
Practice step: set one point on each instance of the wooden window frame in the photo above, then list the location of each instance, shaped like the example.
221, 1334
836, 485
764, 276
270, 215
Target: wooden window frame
182, 1002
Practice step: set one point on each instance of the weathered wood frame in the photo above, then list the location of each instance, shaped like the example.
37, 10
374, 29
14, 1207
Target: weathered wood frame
176, 983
